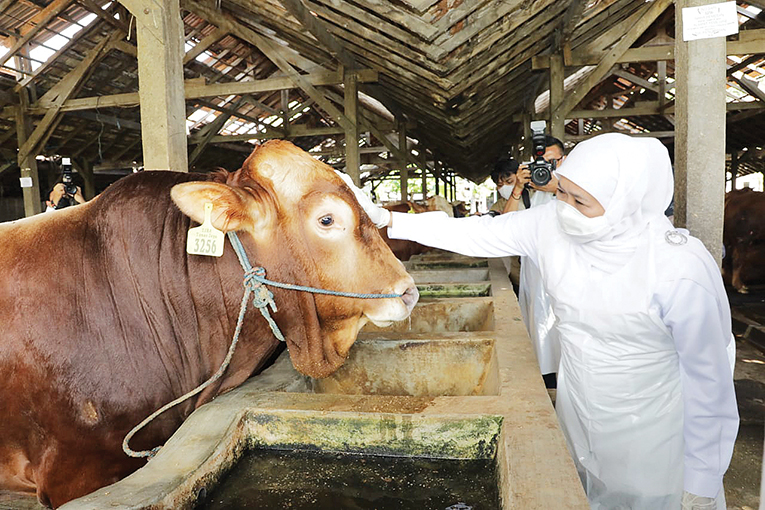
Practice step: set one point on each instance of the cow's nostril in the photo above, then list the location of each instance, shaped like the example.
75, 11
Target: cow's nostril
410, 297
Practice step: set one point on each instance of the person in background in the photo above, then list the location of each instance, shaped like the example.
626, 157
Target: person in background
645, 392
58, 192
534, 302
504, 177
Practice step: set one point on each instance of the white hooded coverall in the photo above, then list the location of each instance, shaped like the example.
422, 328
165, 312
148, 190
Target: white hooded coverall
645, 389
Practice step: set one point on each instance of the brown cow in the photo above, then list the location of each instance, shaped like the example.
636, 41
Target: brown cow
106, 318
744, 239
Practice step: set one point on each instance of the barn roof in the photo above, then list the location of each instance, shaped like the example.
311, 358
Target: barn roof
463, 75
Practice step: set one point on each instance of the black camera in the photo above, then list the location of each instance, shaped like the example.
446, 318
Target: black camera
541, 170
70, 188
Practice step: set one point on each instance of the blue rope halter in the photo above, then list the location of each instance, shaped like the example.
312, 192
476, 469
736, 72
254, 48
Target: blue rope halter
254, 282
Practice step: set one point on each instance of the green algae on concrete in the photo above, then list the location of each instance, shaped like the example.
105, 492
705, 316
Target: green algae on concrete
445, 437
440, 290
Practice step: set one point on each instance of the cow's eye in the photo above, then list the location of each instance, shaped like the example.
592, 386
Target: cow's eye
327, 221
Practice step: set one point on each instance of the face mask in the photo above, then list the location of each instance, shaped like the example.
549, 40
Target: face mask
579, 227
505, 191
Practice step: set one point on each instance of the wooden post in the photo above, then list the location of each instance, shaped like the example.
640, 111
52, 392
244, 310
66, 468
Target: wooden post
404, 172
160, 83
351, 102
285, 101
424, 176
30, 179
526, 148
85, 168
733, 169
437, 173
557, 115
700, 134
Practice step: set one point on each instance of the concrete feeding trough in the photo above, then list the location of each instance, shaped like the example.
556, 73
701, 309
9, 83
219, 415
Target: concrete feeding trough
459, 380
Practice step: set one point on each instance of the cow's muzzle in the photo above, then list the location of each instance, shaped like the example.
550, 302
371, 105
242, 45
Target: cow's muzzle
410, 297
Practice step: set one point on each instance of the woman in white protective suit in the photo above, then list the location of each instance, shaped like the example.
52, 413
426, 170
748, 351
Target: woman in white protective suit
645, 388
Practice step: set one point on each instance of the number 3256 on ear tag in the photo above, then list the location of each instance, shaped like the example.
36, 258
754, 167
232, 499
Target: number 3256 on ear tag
205, 239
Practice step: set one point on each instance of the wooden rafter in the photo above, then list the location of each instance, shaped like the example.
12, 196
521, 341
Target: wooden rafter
649, 13
38, 22
60, 93
271, 51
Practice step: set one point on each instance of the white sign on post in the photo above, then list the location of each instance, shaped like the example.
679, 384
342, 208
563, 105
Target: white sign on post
707, 21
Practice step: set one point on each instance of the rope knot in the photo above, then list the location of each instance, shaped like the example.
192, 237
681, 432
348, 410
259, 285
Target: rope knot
253, 278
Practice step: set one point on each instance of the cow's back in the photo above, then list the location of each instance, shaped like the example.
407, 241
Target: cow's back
82, 302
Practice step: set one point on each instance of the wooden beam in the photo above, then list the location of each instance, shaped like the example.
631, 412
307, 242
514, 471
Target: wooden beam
749, 86
648, 15
214, 36
66, 47
93, 7
637, 80
37, 22
750, 42
194, 90
297, 131
59, 94
271, 51
212, 130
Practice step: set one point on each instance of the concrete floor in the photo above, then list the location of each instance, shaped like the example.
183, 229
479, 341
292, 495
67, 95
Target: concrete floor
742, 481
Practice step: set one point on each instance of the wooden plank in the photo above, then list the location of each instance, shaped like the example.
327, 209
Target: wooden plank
4, 4
648, 15
319, 31
381, 43
487, 17
516, 47
388, 15
38, 22
272, 52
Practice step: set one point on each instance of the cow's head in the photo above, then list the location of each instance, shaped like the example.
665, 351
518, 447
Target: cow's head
306, 227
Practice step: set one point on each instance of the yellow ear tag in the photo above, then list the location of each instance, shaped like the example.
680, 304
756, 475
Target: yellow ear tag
205, 239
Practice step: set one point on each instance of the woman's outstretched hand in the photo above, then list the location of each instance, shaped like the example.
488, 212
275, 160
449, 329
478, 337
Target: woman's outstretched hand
380, 217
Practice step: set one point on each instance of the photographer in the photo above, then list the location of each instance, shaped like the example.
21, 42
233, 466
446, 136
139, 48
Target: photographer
505, 178
645, 392
65, 192
534, 302
58, 198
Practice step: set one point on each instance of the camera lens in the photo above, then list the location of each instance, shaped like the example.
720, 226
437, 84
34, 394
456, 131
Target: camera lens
540, 175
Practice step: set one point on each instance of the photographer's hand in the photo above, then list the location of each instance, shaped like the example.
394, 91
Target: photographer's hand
550, 187
380, 217
522, 177
78, 196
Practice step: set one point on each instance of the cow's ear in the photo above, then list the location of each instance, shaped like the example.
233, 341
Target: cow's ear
233, 208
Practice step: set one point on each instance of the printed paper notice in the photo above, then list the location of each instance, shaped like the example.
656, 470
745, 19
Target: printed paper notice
706, 21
